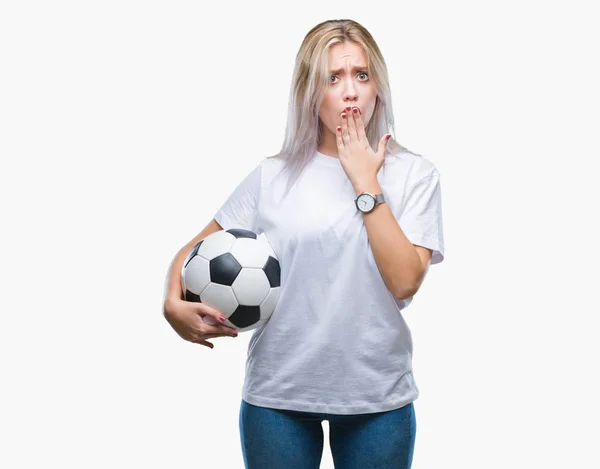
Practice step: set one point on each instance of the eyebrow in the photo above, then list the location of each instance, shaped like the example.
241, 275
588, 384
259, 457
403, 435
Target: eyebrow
354, 69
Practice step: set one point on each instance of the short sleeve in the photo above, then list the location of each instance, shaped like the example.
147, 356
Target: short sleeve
240, 208
421, 216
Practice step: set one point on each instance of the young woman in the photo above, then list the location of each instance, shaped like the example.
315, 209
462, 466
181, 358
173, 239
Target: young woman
355, 220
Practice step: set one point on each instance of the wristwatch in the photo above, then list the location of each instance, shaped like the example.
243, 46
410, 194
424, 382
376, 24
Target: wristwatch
366, 202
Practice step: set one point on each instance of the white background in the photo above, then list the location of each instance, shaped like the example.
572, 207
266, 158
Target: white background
126, 124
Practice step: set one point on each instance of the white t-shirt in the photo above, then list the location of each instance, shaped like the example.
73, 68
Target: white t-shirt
336, 342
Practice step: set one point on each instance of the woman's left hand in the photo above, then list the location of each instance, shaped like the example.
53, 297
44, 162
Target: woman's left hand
358, 159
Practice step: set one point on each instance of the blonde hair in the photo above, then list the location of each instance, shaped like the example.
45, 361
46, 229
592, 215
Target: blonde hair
303, 132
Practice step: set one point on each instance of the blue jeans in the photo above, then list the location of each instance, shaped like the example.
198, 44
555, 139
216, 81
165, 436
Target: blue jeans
287, 439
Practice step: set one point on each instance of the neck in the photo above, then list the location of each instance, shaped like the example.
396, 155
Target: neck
328, 145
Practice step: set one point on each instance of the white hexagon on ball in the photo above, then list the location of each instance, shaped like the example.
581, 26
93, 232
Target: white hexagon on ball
263, 239
217, 244
251, 286
197, 275
221, 298
250, 253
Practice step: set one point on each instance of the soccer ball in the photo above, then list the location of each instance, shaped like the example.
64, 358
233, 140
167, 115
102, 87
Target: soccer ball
235, 272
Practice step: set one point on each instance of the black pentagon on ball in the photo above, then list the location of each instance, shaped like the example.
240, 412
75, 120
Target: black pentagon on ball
245, 316
224, 269
193, 252
241, 233
189, 296
272, 271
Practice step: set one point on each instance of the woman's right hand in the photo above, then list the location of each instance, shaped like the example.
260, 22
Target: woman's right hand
186, 318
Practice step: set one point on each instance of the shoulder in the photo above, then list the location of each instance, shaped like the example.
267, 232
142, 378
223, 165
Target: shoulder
271, 166
263, 167
411, 167
273, 161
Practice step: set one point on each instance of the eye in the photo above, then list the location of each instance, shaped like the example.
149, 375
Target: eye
359, 73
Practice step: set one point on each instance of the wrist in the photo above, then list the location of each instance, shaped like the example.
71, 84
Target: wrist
370, 186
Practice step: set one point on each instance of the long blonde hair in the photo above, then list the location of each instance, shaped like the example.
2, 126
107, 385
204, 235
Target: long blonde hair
303, 130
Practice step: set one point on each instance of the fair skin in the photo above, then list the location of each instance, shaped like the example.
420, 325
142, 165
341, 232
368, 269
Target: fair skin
345, 112
346, 88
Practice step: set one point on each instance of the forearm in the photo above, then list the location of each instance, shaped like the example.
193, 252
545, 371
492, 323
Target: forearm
396, 257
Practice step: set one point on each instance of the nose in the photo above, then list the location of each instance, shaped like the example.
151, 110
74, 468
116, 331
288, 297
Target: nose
350, 94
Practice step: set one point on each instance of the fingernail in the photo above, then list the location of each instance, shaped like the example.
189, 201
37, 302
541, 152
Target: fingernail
343, 116
222, 318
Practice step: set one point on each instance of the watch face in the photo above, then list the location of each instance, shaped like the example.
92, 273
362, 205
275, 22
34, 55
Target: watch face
365, 202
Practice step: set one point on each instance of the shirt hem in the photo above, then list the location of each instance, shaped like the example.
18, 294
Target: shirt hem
338, 409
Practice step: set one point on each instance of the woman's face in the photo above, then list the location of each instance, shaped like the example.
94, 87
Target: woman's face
349, 85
